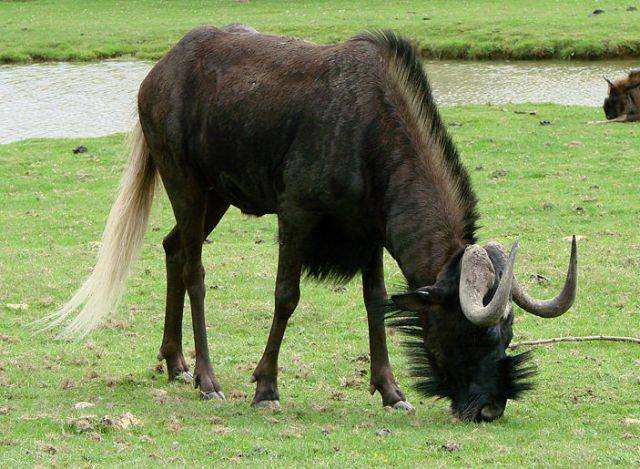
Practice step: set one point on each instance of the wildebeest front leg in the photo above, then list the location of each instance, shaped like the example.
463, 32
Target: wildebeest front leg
287, 295
375, 295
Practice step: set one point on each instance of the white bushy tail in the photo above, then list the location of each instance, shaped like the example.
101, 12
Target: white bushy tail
121, 241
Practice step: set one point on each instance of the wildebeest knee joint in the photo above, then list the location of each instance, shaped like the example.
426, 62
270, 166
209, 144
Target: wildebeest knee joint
286, 302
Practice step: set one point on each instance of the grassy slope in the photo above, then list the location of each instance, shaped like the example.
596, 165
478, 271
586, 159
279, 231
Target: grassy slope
54, 204
95, 29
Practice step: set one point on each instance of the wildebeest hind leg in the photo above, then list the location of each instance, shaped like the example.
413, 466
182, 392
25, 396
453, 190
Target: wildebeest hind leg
375, 295
189, 201
287, 295
171, 348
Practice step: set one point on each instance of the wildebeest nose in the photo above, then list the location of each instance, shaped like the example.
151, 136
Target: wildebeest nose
491, 412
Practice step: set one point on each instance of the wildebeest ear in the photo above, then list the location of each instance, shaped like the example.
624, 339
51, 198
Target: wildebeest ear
418, 300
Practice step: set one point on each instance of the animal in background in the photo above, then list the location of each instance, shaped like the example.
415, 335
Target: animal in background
623, 102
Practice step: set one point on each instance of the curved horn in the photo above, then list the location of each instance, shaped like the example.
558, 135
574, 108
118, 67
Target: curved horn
476, 278
560, 304
609, 81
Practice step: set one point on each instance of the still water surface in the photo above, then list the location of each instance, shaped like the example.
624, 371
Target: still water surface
92, 99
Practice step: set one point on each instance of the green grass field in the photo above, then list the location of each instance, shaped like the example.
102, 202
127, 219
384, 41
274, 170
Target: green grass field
482, 29
542, 183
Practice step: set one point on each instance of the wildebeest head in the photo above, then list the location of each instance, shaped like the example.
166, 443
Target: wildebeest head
620, 102
459, 330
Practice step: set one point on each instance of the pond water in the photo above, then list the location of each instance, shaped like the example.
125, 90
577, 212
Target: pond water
92, 99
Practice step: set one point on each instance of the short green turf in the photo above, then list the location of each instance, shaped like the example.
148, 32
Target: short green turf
480, 29
541, 183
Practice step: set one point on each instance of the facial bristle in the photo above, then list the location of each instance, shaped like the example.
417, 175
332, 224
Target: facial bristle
428, 381
516, 371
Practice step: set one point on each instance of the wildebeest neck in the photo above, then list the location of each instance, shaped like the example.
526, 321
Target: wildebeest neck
429, 203
422, 233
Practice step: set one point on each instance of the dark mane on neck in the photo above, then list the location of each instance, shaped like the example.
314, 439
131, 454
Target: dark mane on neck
405, 63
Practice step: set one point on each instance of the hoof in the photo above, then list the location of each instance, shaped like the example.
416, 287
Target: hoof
405, 406
185, 376
273, 405
212, 395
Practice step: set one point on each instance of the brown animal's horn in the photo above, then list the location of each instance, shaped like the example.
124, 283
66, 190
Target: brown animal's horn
561, 303
609, 81
476, 278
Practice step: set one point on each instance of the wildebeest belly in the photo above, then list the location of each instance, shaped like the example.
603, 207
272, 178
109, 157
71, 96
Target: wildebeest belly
249, 194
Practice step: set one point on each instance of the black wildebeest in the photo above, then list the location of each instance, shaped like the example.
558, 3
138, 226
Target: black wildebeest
623, 102
344, 143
